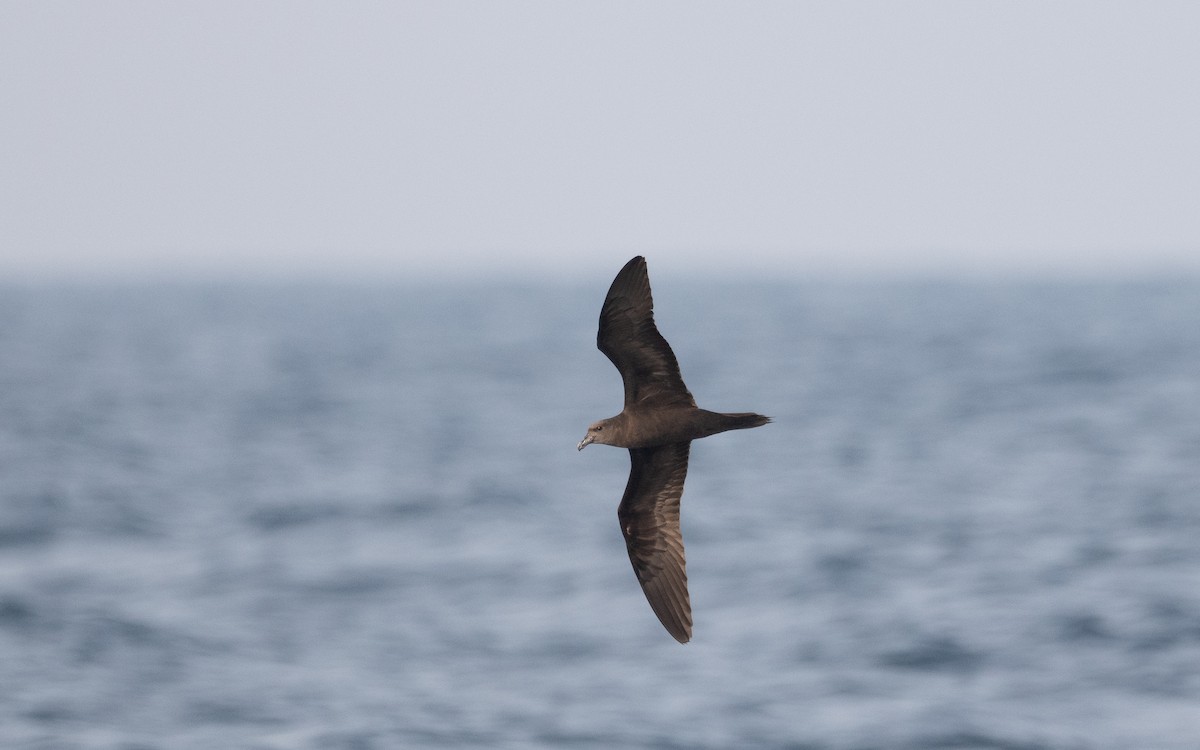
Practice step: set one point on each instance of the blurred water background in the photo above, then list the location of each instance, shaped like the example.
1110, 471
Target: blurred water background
321, 516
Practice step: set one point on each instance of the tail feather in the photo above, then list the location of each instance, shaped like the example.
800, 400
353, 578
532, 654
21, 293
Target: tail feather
743, 421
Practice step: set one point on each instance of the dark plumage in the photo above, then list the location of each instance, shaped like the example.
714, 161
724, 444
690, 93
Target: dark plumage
658, 424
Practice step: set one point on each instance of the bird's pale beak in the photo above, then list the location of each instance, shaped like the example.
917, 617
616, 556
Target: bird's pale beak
587, 440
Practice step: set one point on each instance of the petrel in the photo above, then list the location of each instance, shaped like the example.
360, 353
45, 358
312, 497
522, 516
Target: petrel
658, 424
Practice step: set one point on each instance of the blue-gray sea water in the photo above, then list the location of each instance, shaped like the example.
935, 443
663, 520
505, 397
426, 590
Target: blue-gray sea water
323, 517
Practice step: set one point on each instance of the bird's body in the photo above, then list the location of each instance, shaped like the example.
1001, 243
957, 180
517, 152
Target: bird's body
647, 428
657, 425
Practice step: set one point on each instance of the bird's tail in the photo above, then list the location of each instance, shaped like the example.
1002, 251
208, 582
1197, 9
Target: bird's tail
742, 421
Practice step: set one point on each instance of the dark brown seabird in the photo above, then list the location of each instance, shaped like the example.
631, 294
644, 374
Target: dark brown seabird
658, 424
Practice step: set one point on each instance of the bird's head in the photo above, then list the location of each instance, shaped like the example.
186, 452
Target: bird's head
599, 432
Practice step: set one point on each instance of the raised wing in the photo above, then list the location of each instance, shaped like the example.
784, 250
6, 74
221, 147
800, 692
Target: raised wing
630, 339
649, 516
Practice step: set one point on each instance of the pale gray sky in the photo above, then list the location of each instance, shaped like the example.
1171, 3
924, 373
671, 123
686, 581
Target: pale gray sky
403, 138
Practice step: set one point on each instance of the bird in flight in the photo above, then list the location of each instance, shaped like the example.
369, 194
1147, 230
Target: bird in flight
658, 424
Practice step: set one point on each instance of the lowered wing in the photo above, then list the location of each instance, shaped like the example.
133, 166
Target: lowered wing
649, 516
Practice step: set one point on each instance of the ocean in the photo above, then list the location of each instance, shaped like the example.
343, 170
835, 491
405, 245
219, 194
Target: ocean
327, 516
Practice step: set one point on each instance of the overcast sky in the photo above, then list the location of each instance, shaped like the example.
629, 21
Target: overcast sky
401, 139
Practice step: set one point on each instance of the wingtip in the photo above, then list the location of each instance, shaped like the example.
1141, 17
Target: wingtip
632, 282
634, 262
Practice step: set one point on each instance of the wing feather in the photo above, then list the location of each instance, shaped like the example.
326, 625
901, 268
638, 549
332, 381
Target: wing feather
628, 336
649, 516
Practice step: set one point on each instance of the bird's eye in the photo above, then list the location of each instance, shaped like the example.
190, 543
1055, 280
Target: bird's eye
599, 428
